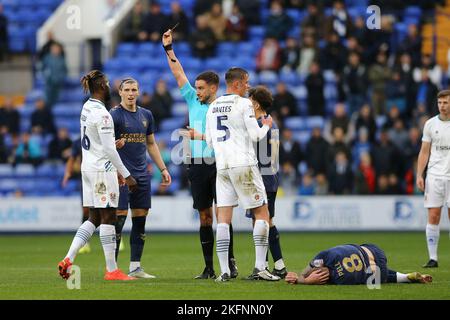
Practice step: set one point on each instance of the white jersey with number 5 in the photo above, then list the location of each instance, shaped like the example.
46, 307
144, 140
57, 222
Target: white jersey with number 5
97, 140
231, 128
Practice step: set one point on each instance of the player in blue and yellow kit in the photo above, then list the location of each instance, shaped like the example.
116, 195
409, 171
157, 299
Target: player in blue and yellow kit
267, 153
349, 264
134, 131
201, 167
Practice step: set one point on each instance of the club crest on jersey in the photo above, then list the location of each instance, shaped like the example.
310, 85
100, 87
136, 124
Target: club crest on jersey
257, 197
100, 188
144, 122
106, 120
112, 196
318, 263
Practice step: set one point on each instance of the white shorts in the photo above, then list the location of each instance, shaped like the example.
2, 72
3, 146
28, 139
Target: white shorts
437, 192
100, 189
241, 183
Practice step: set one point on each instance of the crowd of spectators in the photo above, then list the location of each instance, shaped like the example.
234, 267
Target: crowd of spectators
370, 140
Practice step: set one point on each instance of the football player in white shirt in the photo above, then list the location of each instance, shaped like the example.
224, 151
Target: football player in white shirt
99, 170
435, 156
231, 128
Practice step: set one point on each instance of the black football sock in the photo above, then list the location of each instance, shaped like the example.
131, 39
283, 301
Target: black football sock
230, 249
274, 244
119, 226
137, 238
207, 241
392, 276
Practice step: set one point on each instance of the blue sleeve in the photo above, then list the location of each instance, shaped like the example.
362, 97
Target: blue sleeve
319, 260
189, 94
151, 123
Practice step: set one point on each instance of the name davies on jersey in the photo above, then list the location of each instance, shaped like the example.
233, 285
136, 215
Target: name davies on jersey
223, 109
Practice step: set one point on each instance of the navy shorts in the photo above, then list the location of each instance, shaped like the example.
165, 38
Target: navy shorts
380, 260
140, 199
271, 197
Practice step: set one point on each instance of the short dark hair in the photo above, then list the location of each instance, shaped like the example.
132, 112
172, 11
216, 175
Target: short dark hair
261, 95
93, 81
209, 77
126, 81
235, 73
443, 94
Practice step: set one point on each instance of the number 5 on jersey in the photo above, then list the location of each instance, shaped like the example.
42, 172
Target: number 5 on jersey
221, 127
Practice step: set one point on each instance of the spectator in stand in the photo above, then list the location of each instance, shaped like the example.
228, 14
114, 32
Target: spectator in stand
338, 145
382, 185
366, 120
412, 147
156, 22
236, 29
288, 179
321, 186
202, 39
4, 41
426, 93
284, 102
394, 186
161, 101
405, 69
315, 150
4, 152
115, 96
380, 40
340, 175
398, 134
360, 32
217, 21
365, 177
315, 20
360, 147
145, 101
340, 21
9, 118
339, 119
45, 50
42, 119
28, 150
269, 56
135, 25
202, 6
290, 150
278, 23
385, 155
355, 83
251, 11
334, 55
392, 116
54, 71
177, 15
290, 55
60, 147
434, 71
396, 93
379, 74
307, 186
412, 44
353, 46
308, 54
314, 84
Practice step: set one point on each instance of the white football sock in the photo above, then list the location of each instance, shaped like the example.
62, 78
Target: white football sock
108, 240
402, 278
279, 264
261, 240
222, 245
134, 265
84, 233
432, 233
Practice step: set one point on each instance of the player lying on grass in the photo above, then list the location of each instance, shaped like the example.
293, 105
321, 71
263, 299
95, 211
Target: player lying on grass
349, 264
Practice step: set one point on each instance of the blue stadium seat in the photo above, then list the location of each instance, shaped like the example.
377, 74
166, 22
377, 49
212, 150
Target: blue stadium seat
247, 49
127, 49
179, 109
412, 11
302, 136
330, 91
24, 170
268, 78
290, 78
216, 64
299, 92
8, 185
314, 122
227, 49
171, 124
245, 62
6, 171
294, 123
182, 48
256, 32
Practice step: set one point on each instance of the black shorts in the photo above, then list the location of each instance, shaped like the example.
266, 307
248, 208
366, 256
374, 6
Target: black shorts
271, 197
203, 184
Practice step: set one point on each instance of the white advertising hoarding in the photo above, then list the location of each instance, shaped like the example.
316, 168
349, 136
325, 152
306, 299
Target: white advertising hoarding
327, 213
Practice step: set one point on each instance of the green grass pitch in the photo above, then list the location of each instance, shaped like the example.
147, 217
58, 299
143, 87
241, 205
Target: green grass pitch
28, 268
